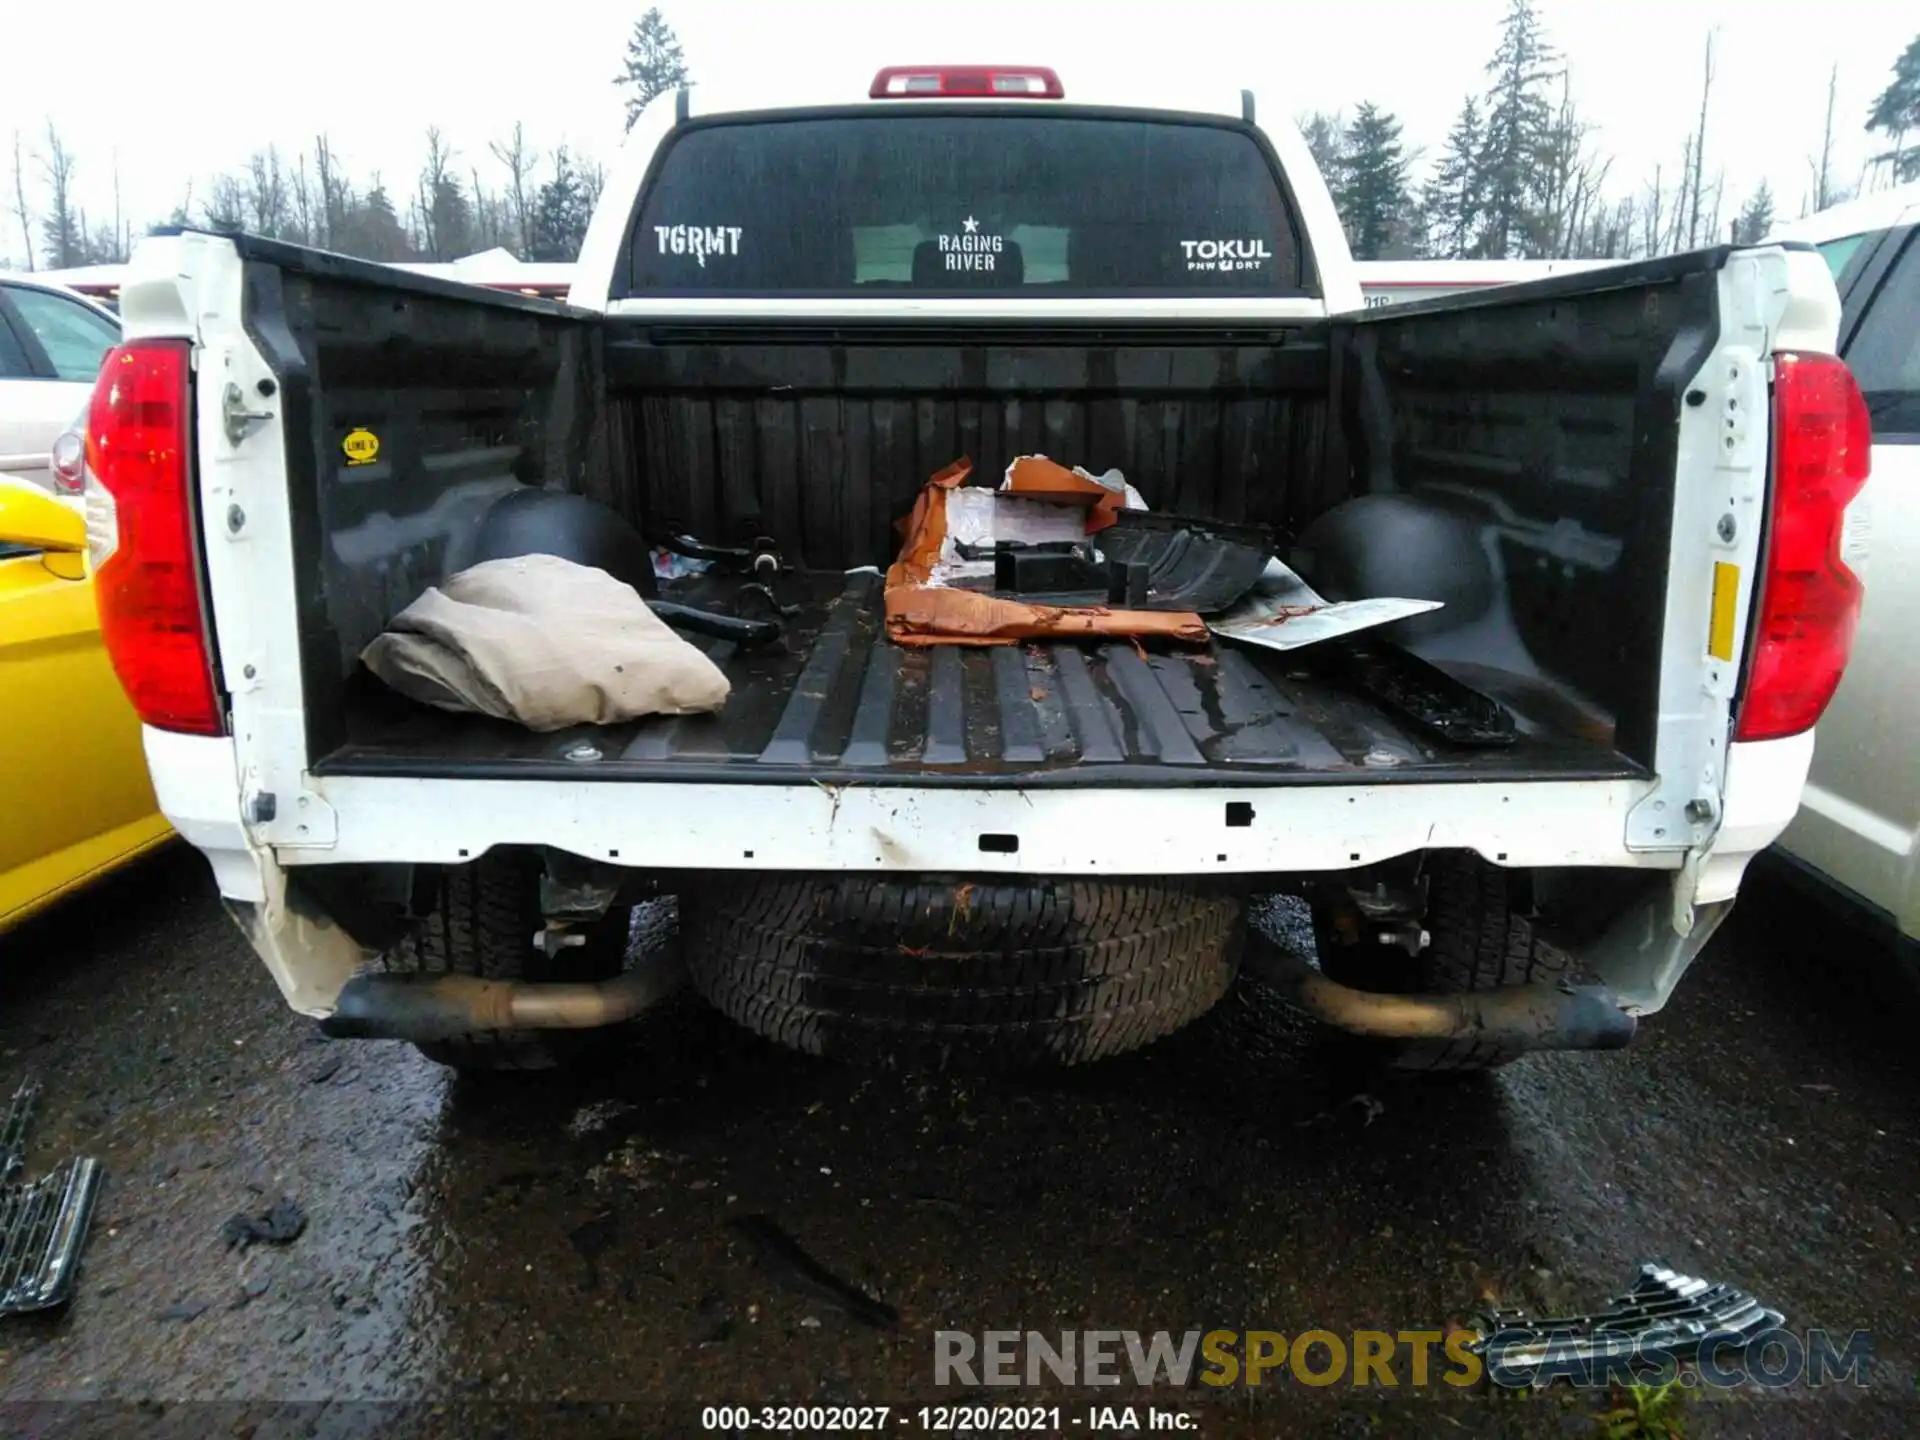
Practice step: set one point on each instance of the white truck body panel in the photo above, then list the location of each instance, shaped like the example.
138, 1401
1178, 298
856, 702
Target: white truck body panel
1707, 811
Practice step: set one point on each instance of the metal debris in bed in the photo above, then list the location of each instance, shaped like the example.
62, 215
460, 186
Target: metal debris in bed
43, 1223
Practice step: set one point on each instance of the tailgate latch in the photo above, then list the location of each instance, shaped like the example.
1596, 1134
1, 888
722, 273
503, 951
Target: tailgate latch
239, 421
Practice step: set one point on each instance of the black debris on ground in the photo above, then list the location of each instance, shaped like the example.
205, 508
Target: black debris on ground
280, 1224
783, 1257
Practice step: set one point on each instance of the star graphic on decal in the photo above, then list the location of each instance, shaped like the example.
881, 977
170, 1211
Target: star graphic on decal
972, 224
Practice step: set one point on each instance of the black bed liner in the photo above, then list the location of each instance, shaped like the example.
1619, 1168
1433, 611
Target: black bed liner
835, 702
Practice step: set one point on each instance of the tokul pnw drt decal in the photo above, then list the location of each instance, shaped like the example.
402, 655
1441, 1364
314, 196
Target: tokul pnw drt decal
1226, 254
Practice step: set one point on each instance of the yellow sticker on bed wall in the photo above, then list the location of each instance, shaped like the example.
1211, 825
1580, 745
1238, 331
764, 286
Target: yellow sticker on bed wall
362, 446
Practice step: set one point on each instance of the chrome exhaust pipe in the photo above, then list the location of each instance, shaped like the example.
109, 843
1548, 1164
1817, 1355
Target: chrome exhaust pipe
1527, 1017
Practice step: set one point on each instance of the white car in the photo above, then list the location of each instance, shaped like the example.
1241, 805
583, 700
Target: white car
52, 341
1859, 822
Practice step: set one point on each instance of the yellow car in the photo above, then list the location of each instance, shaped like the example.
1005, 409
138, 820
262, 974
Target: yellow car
75, 800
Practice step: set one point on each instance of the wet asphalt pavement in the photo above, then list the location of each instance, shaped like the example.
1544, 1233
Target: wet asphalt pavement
477, 1253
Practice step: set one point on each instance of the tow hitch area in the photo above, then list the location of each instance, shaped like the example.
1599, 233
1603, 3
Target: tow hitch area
1665, 1318
42, 1224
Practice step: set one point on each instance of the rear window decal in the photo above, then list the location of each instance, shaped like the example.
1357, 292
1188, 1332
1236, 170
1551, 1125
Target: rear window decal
970, 250
1226, 254
699, 241
973, 202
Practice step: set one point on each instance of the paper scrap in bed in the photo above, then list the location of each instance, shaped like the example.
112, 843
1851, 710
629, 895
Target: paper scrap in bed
1102, 495
920, 612
980, 517
545, 643
1286, 613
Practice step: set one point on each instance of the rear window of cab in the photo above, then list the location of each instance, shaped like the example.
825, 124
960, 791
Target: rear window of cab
964, 204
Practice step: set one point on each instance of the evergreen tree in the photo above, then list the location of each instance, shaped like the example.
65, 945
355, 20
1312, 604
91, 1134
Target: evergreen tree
1375, 204
447, 219
1453, 199
1756, 217
444, 213
1897, 112
1518, 126
1326, 136
654, 63
560, 212
371, 227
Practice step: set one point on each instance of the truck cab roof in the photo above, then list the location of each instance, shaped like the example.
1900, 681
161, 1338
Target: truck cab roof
1093, 89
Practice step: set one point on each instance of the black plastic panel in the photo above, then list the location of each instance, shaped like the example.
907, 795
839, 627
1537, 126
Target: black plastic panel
825, 446
1549, 420
468, 400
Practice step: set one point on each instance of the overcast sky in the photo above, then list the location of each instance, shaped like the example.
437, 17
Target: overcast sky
185, 91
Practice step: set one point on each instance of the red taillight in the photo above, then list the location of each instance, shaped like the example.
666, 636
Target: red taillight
1809, 599
148, 586
1008, 82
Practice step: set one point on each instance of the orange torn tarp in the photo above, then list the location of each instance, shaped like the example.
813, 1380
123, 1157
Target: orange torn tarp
1043, 479
922, 614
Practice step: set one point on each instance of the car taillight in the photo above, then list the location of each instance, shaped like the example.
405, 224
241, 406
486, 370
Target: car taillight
1009, 82
147, 585
1809, 600
70, 463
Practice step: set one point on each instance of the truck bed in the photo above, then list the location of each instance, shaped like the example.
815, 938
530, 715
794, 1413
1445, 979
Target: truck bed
835, 702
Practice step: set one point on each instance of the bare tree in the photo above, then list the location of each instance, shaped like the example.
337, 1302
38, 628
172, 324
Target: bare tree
1572, 179
225, 207
122, 236
331, 212
300, 201
1710, 225
1700, 155
20, 210
1824, 193
1652, 215
61, 231
1614, 235
519, 158
266, 194
486, 226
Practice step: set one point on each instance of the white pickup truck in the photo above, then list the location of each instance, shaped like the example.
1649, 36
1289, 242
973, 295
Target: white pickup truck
1628, 489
